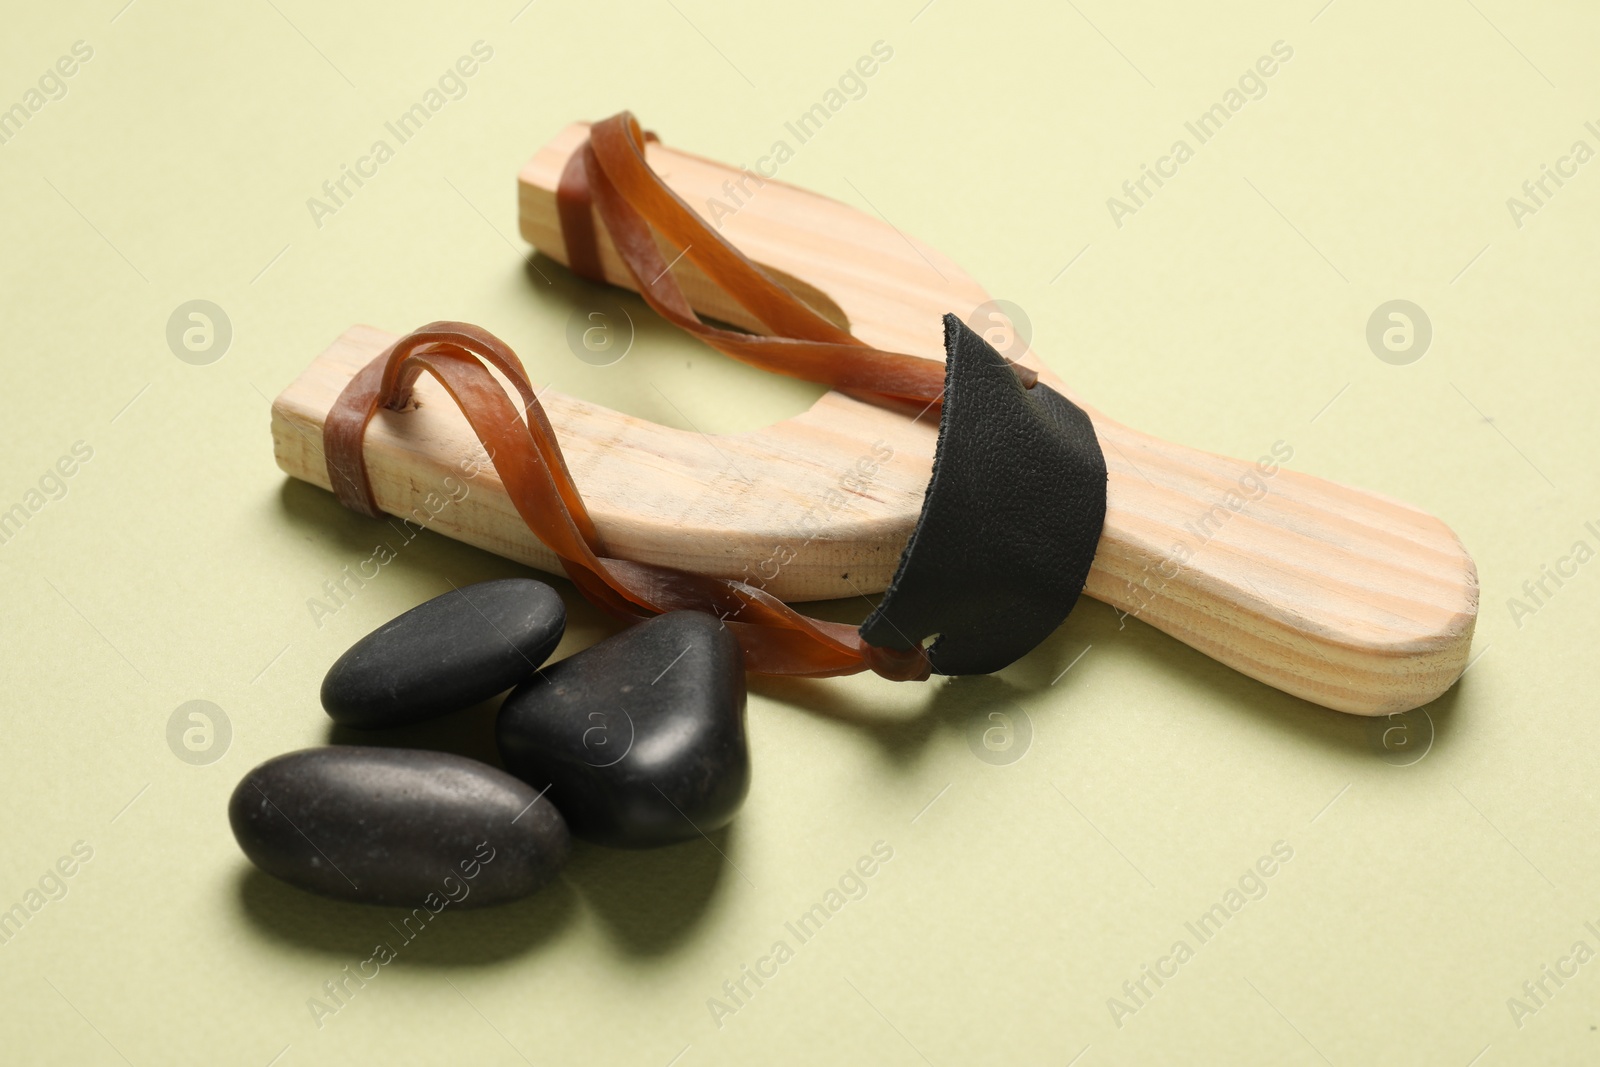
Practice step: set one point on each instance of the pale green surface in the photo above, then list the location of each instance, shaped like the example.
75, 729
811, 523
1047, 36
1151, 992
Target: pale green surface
1026, 894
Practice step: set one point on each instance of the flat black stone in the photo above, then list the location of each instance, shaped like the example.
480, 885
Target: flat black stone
641, 738
450, 653
398, 826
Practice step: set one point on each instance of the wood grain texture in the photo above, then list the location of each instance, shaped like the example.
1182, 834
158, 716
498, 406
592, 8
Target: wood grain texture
1344, 597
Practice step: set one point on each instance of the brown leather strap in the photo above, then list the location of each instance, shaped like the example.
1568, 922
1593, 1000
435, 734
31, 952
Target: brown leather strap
634, 204
776, 639
576, 212
609, 177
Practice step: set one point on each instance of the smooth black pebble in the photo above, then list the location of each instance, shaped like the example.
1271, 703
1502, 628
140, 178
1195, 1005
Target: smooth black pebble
640, 738
450, 653
397, 826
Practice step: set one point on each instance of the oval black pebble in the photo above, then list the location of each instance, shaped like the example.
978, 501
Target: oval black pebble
641, 738
398, 826
450, 653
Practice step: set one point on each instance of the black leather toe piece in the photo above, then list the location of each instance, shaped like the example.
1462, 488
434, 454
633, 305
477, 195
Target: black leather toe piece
1009, 523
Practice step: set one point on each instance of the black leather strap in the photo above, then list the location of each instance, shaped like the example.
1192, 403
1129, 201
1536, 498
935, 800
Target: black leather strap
1009, 524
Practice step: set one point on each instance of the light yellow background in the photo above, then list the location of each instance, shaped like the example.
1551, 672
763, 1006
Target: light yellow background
1227, 313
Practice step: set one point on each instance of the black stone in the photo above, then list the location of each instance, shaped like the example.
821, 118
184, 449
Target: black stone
397, 826
641, 738
450, 653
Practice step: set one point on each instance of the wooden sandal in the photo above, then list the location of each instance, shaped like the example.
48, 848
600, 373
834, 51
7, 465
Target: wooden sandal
1337, 595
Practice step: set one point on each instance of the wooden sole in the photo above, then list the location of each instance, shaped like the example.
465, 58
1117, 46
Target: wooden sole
1338, 595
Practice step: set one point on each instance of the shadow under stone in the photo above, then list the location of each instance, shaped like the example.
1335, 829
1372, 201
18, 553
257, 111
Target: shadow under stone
650, 900
351, 933
468, 733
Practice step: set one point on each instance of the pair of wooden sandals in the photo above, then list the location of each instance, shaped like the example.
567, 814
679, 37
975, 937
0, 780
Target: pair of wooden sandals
1337, 595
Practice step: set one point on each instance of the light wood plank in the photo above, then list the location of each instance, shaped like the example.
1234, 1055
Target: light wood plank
1341, 596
